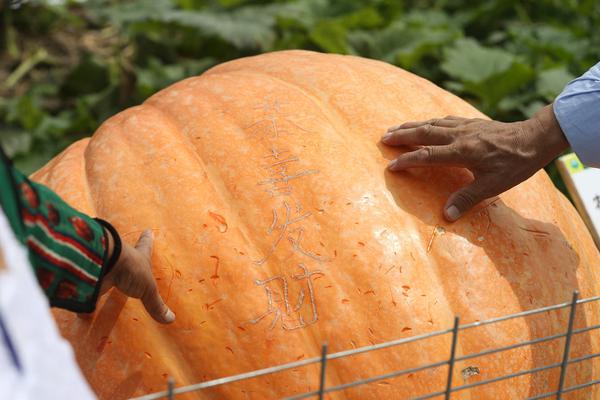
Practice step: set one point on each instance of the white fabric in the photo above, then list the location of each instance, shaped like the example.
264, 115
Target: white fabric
49, 368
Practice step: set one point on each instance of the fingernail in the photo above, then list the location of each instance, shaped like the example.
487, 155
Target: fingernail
452, 213
393, 128
392, 164
169, 317
386, 137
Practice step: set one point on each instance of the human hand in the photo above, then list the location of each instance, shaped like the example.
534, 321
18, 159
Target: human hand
132, 275
499, 155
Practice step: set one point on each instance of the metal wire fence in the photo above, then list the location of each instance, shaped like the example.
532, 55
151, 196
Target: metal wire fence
172, 391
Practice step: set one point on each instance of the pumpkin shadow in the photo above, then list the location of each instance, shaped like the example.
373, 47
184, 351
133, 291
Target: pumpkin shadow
429, 189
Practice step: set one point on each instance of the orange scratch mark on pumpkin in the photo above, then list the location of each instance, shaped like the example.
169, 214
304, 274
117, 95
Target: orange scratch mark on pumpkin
211, 305
215, 276
535, 231
229, 349
147, 354
345, 301
221, 220
370, 291
406, 329
170, 281
362, 244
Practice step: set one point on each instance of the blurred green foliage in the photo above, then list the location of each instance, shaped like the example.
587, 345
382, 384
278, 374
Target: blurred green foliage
68, 65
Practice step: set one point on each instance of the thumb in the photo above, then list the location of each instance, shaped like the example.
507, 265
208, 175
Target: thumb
156, 307
463, 200
145, 242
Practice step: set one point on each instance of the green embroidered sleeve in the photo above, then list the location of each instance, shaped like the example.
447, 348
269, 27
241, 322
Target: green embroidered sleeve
67, 249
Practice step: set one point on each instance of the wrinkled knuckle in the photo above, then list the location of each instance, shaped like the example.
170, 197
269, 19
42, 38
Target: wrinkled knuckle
466, 199
467, 147
424, 130
425, 154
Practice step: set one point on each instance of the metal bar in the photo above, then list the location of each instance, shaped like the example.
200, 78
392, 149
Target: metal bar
323, 365
296, 364
526, 343
170, 388
368, 380
527, 313
451, 360
581, 386
514, 375
567, 390
565, 360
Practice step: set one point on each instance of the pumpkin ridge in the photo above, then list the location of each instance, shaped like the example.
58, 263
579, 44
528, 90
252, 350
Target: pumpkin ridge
226, 196
86, 180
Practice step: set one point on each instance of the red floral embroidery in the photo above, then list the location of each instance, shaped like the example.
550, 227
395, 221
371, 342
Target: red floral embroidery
82, 228
53, 215
30, 195
45, 278
66, 290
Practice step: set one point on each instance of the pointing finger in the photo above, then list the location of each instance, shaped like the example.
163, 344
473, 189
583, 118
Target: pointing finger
145, 242
156, 307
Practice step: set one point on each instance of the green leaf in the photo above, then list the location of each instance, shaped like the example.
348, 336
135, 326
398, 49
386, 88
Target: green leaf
406, 41
15, 142
489, 74
552, 81
330, 36
468, 61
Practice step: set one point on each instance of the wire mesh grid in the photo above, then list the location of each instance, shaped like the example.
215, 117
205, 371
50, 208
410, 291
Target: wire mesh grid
172, 391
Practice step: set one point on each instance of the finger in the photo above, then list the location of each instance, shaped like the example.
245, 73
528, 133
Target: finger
145, 242
427, 156
464, 199
420, 136
156, 307
449, 121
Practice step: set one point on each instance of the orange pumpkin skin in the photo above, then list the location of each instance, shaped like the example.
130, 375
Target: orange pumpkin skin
278, 228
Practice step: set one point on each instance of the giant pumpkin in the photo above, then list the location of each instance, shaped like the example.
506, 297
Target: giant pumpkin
278, 228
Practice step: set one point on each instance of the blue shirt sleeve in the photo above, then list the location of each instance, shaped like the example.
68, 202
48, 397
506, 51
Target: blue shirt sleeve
577, 110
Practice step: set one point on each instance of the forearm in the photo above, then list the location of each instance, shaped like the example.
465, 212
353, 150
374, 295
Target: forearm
67, 249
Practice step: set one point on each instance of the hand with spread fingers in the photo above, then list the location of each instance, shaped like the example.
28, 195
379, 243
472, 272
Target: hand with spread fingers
132, 275
499, 155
